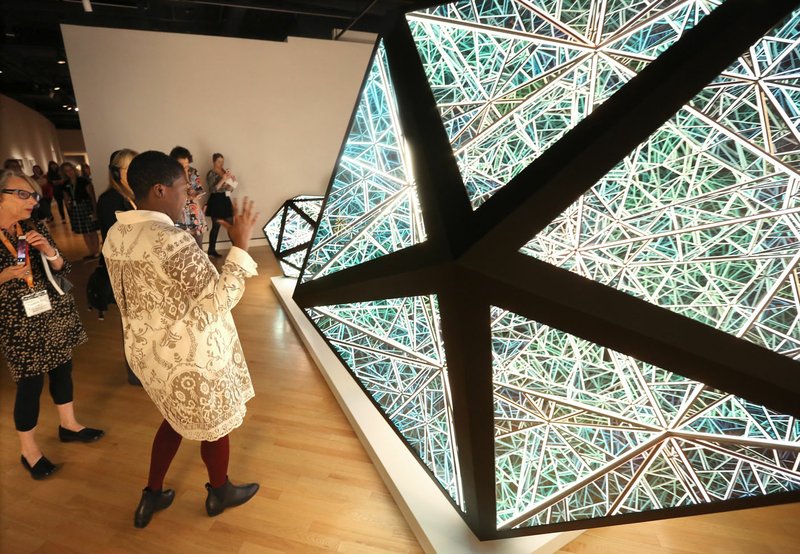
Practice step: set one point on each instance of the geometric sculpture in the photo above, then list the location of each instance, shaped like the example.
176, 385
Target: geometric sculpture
559, 252
289, 231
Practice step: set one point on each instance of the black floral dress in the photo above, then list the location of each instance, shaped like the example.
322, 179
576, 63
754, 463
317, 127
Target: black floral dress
37, 344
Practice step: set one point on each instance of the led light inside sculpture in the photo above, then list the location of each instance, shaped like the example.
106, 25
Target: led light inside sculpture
709, 205
289, 231
613, 435
598, 368
394, 349
372, 206
510, 78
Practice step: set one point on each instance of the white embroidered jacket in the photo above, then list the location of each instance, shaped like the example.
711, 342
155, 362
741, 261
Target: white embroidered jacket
180, 339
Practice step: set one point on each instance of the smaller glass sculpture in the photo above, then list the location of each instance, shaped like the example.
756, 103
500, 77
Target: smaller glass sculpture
290, 230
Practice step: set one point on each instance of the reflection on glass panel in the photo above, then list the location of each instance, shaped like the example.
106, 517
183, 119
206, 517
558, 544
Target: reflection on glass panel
704, 218
582, 431
372, 207
394, 349
290, 230
510, 77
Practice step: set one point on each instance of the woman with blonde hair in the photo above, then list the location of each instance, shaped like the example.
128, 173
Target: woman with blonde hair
39, 323
117, 198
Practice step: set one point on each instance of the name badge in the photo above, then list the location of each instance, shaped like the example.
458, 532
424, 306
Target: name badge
36, 303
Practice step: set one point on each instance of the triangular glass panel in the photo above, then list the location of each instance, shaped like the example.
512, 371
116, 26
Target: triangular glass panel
393, 348
601, 433
709, 204
373, 172
557, 60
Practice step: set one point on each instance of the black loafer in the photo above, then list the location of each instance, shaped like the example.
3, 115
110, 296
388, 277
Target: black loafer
87, 434
151, 503
42, 469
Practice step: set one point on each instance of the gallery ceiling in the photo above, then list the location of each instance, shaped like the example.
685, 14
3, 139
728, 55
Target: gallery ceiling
33, 61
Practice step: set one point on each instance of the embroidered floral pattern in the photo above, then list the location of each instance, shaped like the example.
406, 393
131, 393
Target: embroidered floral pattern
180, 338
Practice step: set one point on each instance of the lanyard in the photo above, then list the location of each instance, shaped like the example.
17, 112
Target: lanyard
29, 275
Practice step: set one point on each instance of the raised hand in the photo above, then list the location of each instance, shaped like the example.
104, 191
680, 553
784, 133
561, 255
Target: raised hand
243, 223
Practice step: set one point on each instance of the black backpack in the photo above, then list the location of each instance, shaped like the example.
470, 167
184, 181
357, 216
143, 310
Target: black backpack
99, 292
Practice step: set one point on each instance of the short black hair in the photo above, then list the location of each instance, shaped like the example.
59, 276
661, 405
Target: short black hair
151, 168
180, 152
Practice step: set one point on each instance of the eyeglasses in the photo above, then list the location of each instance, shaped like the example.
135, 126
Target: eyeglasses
23, 194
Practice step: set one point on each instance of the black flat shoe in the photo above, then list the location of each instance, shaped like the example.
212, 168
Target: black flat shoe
151, 503
42, 469
214, 254
87, 434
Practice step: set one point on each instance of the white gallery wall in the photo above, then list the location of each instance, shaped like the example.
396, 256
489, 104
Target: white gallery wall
277, 111
72, 142
26, 135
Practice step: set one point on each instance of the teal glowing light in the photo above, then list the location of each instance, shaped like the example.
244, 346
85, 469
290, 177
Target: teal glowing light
372, 207
510, 78
582, 431
394, 349
704, 218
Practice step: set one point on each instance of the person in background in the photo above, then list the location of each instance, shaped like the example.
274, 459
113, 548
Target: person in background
57, 181
38, 326
81, 206
194, 220
118, 197
86, 171
44, 211
180, 338
220, 183
12, 165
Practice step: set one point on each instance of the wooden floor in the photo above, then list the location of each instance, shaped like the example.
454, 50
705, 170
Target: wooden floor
319, 491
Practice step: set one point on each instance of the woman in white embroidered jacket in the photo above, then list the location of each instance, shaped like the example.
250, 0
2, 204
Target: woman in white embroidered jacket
180, 338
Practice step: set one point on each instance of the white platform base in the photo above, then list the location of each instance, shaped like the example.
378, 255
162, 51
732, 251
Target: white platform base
434, 521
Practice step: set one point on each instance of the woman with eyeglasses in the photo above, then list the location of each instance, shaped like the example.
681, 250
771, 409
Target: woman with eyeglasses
39, 325
82, 208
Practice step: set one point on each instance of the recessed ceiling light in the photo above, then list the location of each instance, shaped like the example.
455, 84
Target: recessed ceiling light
76, 108
56, 88
62, 62
63, 105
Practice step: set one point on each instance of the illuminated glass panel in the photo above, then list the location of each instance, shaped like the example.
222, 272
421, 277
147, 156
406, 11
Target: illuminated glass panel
290, 230
582, 431
372, 207
394, 349
511, 77
703, 218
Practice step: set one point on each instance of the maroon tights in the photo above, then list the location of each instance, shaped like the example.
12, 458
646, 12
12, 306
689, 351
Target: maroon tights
215, 455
